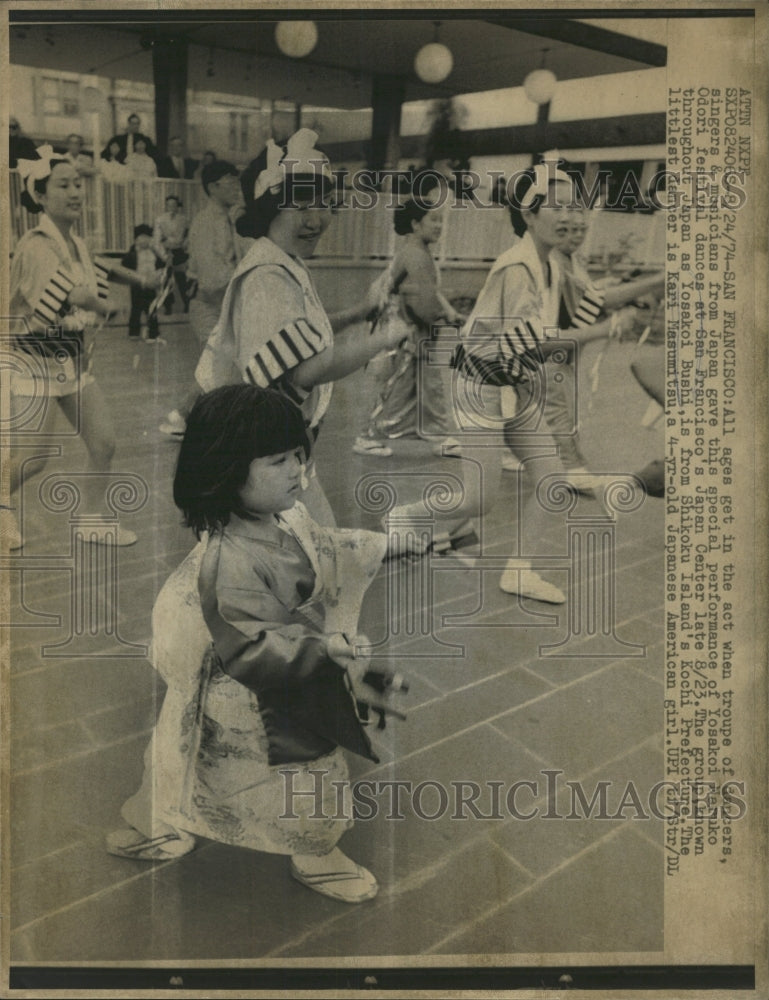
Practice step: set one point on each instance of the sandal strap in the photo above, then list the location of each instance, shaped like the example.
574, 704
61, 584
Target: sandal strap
149, 843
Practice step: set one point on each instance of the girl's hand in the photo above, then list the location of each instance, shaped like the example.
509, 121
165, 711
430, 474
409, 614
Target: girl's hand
627, 319
376, 296
82, 298
345, 650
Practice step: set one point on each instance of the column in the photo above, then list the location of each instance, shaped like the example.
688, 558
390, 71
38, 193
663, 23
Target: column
169, 70
387, 95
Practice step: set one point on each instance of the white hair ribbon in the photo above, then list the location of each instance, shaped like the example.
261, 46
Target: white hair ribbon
36, 170
544, 174
301, 157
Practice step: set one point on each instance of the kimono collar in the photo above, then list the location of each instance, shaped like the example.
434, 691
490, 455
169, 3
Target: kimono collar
51, 229
525, 252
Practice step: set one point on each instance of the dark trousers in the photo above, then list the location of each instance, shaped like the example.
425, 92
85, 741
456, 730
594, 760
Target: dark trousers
179, 258
141, 299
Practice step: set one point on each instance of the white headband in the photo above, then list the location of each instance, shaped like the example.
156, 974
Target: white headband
36, 170
301, 157
544, 174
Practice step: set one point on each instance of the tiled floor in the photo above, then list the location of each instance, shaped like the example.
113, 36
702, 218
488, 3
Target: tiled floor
494, 698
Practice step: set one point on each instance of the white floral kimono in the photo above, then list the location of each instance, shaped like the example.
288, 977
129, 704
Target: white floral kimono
206, 767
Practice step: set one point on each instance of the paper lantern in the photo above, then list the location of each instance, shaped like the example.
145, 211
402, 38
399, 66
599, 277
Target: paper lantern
296, 38
539, 86
433, 62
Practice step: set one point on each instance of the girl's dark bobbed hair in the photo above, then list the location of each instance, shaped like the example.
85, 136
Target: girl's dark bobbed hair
416, 207
260, 212
226, 430
40, 186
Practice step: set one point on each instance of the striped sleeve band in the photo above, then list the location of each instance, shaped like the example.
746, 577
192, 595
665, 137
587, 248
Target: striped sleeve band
590, 306
296, 342
102, 277
53, 298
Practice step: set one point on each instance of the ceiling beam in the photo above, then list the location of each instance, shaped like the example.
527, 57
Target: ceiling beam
624, 130
588, 36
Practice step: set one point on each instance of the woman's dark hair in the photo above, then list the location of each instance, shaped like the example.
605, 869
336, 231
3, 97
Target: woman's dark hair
416, 207
40, 187
213, 172
522, 184
226, 430
176, 198
260, 212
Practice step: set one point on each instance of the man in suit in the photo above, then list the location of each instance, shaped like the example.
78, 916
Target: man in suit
20, 147
176, 164
74, 154
128, 139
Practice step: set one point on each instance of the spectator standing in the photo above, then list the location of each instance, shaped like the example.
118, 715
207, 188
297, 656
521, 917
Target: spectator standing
169, 238
140, 165
20, 146
176, 165
127, 141
81, 161
111, 169
212, 244
143, 259
209, 157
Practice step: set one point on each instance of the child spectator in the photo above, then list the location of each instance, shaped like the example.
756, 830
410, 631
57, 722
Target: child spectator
143, 259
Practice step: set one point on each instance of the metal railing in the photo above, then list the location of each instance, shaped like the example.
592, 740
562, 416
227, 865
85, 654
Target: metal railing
472, 236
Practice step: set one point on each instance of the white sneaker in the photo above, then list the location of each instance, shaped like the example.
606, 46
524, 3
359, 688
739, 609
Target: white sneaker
527, 583
10, 536
511, 464
335, 875
583, 481
370, 446
174, 425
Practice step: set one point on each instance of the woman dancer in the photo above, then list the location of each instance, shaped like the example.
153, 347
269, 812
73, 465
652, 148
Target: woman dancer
273, 330
583, 303
59, 292
413, 302
248, 746
512, 328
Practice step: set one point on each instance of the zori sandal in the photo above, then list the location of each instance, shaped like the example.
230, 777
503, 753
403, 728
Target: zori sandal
131, 843
342, 879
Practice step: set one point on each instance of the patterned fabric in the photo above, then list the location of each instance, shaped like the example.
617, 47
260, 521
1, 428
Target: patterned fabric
399, 410
206, 768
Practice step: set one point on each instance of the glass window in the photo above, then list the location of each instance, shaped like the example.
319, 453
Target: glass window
70, 92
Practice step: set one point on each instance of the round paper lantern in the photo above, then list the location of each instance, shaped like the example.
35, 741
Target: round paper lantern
296, 38
433, 62
539, 86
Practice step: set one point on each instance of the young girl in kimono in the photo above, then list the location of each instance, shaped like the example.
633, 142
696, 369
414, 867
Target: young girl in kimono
254, 634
